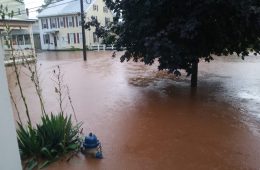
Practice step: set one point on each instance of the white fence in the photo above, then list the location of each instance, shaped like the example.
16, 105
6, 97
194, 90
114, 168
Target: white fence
20, 56
101, 47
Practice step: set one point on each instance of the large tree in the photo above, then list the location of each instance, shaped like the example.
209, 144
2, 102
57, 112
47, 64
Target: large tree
181, 32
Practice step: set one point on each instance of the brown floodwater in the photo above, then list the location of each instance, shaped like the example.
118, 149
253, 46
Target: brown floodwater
147, 119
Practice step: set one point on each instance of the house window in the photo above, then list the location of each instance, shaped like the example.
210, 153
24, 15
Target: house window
44, 24
53, 23
70, 21
94, 17
95, 38
107, 21
79, 20
19, 11
14, 40
46, 39
105, 10
27, 39
20, 40
80, 38
72, 38
61, 22
95, 7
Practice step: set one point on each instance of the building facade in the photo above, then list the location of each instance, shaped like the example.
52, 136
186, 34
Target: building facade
21, 34
60, 24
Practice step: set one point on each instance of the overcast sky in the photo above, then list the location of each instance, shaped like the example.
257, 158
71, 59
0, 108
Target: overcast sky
31, 4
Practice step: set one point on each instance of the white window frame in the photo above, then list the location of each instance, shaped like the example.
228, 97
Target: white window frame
107, 21
79, 21
80, 38
61, 21
53, 23
72, 38
70, 21
105, 9
46, 37
27, 39
95, 7
44, 24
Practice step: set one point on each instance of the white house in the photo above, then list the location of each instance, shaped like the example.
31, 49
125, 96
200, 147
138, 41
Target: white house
21, 29
60, 23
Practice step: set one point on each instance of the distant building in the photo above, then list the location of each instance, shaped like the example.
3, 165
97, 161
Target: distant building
60, 23
21, 28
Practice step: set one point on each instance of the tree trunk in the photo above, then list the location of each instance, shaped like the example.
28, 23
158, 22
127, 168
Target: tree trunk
194, 75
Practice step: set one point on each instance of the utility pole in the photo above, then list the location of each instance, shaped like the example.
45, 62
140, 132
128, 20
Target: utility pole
83, 30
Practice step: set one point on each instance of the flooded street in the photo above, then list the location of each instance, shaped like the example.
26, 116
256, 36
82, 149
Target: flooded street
147, 119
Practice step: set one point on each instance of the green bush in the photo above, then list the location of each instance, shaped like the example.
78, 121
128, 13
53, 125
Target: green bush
28, 141
54, 137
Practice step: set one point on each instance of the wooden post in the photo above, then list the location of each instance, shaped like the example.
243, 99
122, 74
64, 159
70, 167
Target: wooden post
83, 30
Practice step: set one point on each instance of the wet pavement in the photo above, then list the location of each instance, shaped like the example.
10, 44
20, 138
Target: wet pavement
147, 119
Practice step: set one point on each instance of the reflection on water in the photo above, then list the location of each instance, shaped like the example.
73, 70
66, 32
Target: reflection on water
152, 120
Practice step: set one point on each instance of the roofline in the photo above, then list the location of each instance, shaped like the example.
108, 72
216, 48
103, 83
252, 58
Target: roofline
63, 14
19, 20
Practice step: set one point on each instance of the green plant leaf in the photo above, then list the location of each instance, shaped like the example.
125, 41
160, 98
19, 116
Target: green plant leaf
73, 146
32, 164
43, 165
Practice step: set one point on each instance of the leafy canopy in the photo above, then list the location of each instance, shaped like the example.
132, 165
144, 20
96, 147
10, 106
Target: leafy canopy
180, 32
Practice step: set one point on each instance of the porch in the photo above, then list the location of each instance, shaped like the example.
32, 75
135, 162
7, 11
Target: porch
21, 36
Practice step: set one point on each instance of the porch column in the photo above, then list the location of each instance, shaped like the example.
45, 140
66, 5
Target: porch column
23, 40
32, 40
9, 157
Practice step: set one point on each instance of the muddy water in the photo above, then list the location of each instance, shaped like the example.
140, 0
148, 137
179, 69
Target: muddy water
147, 119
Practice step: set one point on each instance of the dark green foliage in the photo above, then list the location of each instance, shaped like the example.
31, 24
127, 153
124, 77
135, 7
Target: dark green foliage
109, 39
54, 137
28, 141
180, 32
58, 135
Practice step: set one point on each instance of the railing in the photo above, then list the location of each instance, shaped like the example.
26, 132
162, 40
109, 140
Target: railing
20, 56
101, 47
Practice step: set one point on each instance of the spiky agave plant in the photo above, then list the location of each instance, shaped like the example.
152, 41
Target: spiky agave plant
28, 141
54, 137
58, 135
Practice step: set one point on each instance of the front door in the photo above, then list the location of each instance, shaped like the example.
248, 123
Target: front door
55, 41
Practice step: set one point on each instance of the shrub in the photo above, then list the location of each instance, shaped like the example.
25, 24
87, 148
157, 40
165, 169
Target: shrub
54, 137
28, 141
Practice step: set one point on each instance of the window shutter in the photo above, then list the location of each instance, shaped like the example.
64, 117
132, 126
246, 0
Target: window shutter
50, 23
42, 23
77, 23
78, 37
67, 22
64, 23
47, 23
75, 41
58, 19
73, 21
68, 38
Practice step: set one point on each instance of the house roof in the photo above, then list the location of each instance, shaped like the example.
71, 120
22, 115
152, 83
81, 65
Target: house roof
64, 7
15, 22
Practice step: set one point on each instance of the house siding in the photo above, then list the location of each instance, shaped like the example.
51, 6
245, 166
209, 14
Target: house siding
63, 33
